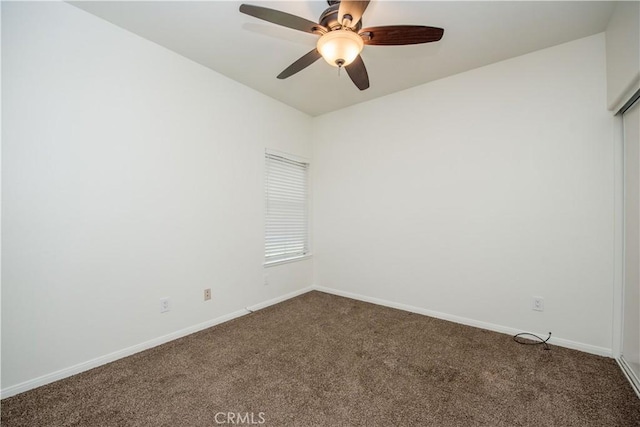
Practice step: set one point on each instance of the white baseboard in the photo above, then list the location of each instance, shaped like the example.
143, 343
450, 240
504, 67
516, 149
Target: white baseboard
281, 298
587, 348
102, 360
90, 364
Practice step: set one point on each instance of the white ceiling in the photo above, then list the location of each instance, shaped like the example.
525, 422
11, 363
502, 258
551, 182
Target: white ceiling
253, 52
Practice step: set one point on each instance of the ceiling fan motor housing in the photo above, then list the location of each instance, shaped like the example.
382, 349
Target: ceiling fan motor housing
329, 19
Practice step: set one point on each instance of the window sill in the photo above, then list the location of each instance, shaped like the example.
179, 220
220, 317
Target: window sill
286, 261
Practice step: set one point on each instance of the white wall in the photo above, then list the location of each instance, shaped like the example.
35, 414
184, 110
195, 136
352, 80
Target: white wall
469, 195
623, 53
129, 173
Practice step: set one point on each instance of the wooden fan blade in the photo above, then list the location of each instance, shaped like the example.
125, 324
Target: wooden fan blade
281, 18
300, 64
358, 73
353, 8
394, 35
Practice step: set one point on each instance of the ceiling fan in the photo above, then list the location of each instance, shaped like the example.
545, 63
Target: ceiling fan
342, 37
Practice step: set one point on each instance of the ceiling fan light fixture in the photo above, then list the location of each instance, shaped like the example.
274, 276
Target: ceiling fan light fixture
340, 47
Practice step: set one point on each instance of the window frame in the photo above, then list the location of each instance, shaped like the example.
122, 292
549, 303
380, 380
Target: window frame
306, 252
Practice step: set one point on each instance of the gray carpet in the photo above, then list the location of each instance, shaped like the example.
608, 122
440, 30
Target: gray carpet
323, 360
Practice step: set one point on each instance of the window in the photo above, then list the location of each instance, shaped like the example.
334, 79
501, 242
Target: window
286, 208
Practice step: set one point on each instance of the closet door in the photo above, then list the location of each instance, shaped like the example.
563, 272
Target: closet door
631, 297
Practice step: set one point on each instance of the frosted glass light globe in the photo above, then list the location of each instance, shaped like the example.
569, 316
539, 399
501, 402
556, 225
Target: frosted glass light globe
340, 47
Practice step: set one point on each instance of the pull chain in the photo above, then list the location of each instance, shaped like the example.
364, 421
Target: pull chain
340, 64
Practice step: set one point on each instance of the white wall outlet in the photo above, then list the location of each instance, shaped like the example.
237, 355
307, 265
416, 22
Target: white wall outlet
164, 305
266, 279
207, 294
538, 304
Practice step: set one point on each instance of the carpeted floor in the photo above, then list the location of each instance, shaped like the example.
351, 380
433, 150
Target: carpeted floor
323, 360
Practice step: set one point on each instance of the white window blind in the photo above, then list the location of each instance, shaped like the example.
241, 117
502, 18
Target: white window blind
286, 222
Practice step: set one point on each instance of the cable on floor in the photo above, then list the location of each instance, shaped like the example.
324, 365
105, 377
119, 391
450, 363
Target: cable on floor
517, 338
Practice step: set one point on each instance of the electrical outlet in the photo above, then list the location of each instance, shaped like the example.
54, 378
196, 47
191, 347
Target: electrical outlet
164, 305
538, 304
266, 279
207, 294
